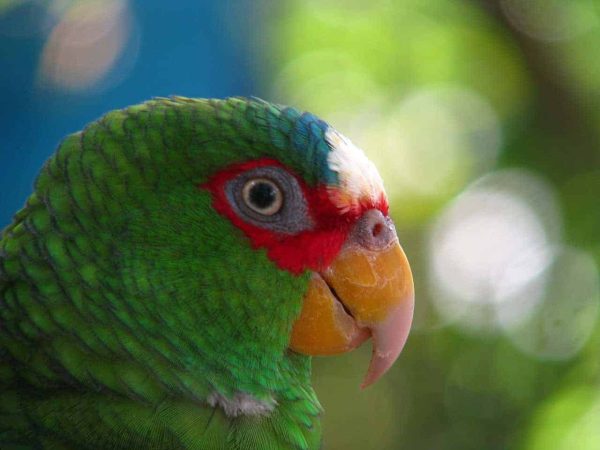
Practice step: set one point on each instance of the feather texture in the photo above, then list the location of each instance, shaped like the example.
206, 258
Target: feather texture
126, 300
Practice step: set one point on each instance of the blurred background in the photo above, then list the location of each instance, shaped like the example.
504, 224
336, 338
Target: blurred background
483, 117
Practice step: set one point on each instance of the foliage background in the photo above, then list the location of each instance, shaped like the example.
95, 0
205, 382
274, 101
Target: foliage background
484, 119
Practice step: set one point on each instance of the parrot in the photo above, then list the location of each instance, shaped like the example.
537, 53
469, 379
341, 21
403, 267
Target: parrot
177, 267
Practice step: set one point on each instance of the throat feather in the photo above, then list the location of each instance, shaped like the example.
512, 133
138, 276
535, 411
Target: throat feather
241, 404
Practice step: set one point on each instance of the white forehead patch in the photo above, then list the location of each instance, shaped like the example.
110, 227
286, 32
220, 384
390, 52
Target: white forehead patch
360, 182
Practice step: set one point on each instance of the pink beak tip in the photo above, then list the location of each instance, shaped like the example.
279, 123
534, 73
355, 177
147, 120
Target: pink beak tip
389, 338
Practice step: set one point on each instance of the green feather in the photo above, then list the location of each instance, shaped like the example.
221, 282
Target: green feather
127, 300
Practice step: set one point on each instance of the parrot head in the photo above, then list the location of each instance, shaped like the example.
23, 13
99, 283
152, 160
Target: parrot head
203, 247
314, 204
327, 217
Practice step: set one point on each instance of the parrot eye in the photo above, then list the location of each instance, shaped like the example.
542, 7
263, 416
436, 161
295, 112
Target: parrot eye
263, 196
269, 197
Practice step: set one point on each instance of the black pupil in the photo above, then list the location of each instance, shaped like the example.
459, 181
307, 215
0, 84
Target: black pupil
262, 195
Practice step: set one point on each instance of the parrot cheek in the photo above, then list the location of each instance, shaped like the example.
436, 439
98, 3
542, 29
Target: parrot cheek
363, 293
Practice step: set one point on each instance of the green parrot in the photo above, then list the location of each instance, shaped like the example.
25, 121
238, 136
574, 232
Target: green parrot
176, 267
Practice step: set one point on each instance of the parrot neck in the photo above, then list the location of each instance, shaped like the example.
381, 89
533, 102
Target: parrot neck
264, 403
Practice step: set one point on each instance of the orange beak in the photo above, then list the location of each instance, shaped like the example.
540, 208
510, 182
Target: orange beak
366, 291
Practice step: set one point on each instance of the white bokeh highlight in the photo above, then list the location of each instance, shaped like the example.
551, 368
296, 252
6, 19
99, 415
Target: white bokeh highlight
497, 265
94, 43
490, 247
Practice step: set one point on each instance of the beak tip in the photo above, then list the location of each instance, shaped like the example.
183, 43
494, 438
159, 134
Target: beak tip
389, 339
366, 383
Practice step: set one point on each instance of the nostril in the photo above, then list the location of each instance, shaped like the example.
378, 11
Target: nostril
374, 230
377, 229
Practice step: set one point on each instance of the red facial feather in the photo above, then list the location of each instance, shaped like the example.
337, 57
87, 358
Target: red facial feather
313, 249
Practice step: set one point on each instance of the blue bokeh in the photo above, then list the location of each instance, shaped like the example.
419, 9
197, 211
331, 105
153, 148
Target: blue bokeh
184, 48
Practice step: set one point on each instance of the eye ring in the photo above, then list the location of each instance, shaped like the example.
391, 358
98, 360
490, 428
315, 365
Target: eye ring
263, 196
290, 217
